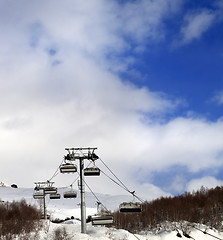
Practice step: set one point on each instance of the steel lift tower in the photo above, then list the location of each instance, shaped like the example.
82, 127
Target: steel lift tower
81, 154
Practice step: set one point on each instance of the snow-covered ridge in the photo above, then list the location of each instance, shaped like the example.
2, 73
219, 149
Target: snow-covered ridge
63, 208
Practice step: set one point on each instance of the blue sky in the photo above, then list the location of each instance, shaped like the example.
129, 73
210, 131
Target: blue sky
141, 80
192, 71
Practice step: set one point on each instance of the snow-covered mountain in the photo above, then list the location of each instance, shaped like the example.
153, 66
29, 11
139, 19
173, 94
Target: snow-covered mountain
63, 208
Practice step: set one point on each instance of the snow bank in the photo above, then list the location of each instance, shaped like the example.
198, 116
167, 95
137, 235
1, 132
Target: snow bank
73, 228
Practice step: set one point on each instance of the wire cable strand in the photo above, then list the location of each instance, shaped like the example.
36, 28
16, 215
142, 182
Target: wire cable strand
94, 194
124, 186
120, 183
56, 172
207, 233
136, 236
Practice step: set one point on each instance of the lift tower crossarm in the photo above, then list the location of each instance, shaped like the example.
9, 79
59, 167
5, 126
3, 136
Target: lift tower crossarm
42, 185
80, 149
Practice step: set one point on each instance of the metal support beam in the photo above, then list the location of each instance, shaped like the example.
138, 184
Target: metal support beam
82, 190
80, 149
44, 205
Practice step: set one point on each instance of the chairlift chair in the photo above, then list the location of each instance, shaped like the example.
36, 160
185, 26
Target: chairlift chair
38, 195
68, 168
70, 194
102, 219
50, 190
130, 207
92, 171
55, 196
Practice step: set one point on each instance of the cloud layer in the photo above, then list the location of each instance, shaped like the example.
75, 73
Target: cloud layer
196, 24
60, 88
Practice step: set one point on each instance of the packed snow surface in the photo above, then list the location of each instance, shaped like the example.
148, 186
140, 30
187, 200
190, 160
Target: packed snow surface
73, 227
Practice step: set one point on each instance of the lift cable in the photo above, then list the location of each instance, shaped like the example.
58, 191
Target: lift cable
133, 193
74, 181
140, 199
56, 172
93, 193
112, 180
96, 196
54, 176
120, 183
206, 232
135, 236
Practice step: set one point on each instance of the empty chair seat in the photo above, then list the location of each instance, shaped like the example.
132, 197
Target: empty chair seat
55, 196
102, 220
68, 168
130, 207
70, 194
50, 190
38, 195
92, 171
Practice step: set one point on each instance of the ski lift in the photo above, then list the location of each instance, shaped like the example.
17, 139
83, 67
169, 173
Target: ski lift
102, 219
55, 196
130, 207
70, 194
68, 168
92, 171
38, 195
50, 190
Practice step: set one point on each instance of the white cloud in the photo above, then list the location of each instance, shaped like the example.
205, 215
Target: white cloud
194, 143
208, 181
71, 99
178, 184
218, 98
145, 18
196, 24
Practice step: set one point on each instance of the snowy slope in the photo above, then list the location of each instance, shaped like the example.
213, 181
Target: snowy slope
62, 208
103, 233
66, 207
